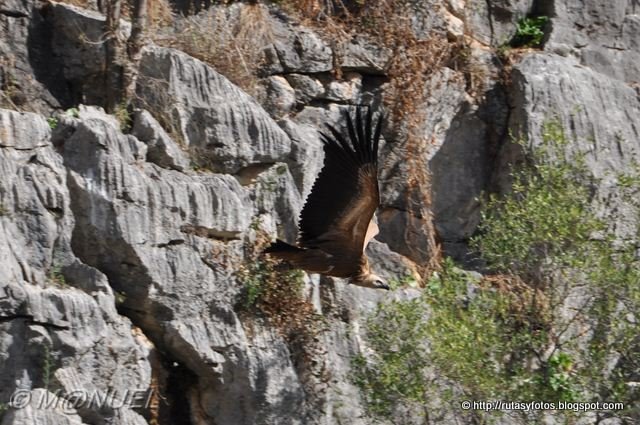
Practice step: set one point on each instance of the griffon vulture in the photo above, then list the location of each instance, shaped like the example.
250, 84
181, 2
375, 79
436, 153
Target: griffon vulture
336, 222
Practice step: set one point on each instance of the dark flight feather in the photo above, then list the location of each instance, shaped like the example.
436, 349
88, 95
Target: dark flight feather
345, 194
336, 220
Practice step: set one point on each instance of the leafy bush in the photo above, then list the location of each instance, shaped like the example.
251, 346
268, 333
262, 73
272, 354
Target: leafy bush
557, 322
546, 232
53, 122
547, 215
275, 291
396, 374
530, 32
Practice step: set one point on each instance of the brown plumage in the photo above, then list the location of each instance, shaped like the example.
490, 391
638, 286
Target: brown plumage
336, 223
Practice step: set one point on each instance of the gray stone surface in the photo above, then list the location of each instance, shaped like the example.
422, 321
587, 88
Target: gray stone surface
306, 150
279, 97
33, 414
55, 312
401, 228
603, 35
77, 43
225, 128
550, 88
163, 236
492, 22
29, 73
306, 87
119, 251
364, 56
161, 150
346, 90
299, 49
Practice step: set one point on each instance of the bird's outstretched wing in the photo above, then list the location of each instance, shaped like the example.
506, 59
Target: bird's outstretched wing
345, 195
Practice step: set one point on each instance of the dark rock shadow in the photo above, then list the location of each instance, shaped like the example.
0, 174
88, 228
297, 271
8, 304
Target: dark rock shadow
462, 171
46, 65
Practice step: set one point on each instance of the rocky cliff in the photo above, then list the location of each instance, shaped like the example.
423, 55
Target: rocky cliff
122, 238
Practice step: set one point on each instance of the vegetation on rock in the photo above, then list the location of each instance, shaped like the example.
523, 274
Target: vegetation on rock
530, 32
276, 292
556, 320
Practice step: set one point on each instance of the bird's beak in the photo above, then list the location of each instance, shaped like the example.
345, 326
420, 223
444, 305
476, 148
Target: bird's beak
381, 284
376, 283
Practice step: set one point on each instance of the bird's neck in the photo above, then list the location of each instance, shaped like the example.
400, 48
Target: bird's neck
363, 269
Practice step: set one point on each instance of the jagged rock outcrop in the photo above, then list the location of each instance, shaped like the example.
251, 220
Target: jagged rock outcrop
58, 315
216, 120
163, 234
161, 237
161, 149
603, 36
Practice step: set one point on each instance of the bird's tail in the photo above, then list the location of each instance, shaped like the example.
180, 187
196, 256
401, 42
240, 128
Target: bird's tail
283, 250
310, 260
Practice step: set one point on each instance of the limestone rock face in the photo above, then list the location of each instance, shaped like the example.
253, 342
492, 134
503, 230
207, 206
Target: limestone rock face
492, 22
120, 249
30, 74
33, 415
602, 36
77, 43
217, 120
162, 150
300, 49
551, 88
56, 313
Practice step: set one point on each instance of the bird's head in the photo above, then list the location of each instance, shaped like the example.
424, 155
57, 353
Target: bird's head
371, 280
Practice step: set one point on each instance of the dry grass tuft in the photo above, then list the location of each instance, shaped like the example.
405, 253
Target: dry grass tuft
387, 23
160, 15
276, 292
528, 306
233, 43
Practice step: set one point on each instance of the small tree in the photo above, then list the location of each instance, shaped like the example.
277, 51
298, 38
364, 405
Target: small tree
557, 321
122, 63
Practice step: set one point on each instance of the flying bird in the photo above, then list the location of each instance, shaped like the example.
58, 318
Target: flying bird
337, 220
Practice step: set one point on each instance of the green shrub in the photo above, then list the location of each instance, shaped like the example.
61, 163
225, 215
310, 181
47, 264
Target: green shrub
546, 218
396, 375
48, 367
57, 276
275, 292
530, 32
546, 232
557, 321
53, 122
3, 409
